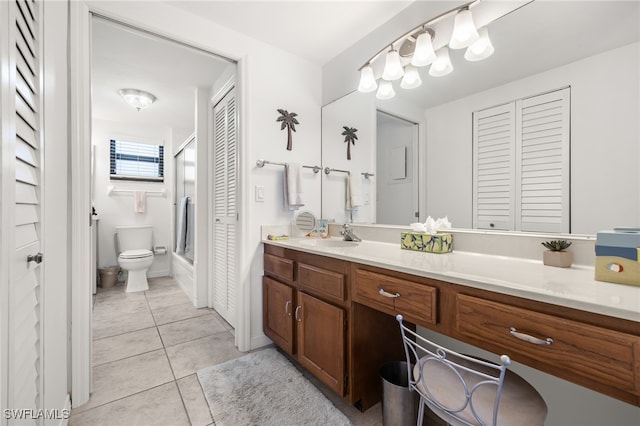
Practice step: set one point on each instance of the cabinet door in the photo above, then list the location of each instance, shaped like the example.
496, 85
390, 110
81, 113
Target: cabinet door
321, 340
278, 313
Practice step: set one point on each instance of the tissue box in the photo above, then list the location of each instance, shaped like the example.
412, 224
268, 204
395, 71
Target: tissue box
438, 243
618, 257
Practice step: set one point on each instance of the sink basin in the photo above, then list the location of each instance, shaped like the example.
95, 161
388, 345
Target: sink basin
328, 243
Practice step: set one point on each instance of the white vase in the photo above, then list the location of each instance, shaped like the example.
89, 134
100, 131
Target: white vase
560, 259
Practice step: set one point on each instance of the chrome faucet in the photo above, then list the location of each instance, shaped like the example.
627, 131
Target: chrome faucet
348, 235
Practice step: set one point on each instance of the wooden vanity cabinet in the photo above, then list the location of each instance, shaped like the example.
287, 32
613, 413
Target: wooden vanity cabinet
304, 311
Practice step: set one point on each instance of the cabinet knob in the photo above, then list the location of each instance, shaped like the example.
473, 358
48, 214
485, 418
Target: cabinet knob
287, 312
381, 292
296, 313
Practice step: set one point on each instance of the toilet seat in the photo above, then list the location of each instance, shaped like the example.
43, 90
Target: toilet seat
136, 254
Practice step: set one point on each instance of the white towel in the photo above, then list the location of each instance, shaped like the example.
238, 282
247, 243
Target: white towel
293, 186
354, 190
181, 225
139, 201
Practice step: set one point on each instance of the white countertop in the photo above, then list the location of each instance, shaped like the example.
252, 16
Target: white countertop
573, 287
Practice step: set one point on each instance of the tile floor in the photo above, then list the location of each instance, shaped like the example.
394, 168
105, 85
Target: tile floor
147, 349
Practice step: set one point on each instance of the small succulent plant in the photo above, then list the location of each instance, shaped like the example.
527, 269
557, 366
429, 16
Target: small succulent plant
556, 245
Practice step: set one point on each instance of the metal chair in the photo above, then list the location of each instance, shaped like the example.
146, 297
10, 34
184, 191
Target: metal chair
463, 390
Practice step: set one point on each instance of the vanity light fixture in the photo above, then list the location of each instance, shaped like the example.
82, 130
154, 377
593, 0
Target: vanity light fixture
464, 30
424, 53
481, 49
367, 80
385, 90
420, 47
411, 78
442, 65
137, 98
392, 67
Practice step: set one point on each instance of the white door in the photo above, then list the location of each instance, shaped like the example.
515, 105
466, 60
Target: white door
21, 207
225, 180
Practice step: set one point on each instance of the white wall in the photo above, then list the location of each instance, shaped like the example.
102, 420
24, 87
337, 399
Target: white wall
269, 78
605, 178
117, 209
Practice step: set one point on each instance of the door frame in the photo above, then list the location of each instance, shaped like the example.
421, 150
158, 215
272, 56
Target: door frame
80, 205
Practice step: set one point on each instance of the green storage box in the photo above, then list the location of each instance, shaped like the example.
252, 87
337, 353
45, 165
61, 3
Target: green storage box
438, 243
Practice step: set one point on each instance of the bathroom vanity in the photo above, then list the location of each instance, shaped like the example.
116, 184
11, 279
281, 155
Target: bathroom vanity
332, 307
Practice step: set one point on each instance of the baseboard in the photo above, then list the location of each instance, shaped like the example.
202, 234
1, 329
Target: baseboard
260, 341
158, 274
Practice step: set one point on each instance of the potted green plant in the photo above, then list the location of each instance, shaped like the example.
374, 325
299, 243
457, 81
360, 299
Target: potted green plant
557, 254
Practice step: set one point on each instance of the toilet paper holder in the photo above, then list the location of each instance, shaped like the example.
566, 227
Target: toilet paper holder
159, 250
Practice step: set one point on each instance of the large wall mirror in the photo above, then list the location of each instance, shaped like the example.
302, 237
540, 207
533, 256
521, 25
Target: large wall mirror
418, 145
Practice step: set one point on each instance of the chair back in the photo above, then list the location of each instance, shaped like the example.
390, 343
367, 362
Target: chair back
458, 388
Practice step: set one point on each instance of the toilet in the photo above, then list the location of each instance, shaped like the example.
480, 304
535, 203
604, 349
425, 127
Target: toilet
134, 254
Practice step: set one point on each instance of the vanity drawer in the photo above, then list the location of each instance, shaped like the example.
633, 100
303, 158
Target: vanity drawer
278, 267
321, 282
586, 354
415, 301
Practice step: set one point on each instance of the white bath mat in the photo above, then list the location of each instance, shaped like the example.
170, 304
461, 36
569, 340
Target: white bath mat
264, 388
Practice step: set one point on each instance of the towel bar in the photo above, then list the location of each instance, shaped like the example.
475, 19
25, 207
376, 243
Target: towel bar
261, 163
328, 170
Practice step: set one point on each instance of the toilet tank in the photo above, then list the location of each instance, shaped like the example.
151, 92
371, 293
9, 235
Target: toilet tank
134, 237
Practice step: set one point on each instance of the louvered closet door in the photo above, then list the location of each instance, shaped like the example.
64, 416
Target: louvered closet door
225, 207
24, 123
493, 168
542, 172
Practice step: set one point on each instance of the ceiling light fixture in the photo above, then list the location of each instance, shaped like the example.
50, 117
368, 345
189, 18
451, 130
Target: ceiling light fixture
137, 98
419, 47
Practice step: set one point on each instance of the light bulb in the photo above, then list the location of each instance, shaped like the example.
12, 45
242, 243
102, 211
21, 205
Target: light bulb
442, 65
385, 90
367, 80
392, 66
481, 49
411, 78
464, 30
423, 53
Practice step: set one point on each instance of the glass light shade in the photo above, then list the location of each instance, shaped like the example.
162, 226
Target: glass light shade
423, 53
464, 30
411, 78
481, 49
442, 65
367, 80
392, 67
385, 90
137, 98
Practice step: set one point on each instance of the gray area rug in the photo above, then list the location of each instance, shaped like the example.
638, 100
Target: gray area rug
264, 388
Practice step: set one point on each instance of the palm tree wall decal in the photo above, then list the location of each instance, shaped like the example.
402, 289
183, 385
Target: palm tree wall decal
289, 121
350, 138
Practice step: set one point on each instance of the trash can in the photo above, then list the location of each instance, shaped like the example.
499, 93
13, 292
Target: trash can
108, 276
399, 403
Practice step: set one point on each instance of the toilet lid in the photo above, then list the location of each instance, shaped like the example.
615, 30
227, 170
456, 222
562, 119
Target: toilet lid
136, 254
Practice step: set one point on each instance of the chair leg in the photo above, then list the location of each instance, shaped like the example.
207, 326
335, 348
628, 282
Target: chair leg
420, 412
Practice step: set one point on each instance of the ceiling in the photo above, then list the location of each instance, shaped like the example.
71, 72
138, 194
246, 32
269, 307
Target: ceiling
317, 30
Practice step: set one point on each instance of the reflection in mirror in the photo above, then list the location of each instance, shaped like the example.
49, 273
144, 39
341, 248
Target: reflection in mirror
600, 67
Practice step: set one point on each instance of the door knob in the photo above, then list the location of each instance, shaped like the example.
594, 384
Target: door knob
35, 258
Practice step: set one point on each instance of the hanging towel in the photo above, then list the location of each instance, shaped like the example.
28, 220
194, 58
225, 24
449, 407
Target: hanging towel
139, 201
181, 225
354, 190
293, 186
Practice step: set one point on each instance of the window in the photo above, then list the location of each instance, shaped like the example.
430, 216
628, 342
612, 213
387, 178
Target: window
522, 164
136, 161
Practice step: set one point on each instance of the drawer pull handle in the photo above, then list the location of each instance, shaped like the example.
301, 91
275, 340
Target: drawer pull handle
296, 313
287, 312
530, 339
381, 292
